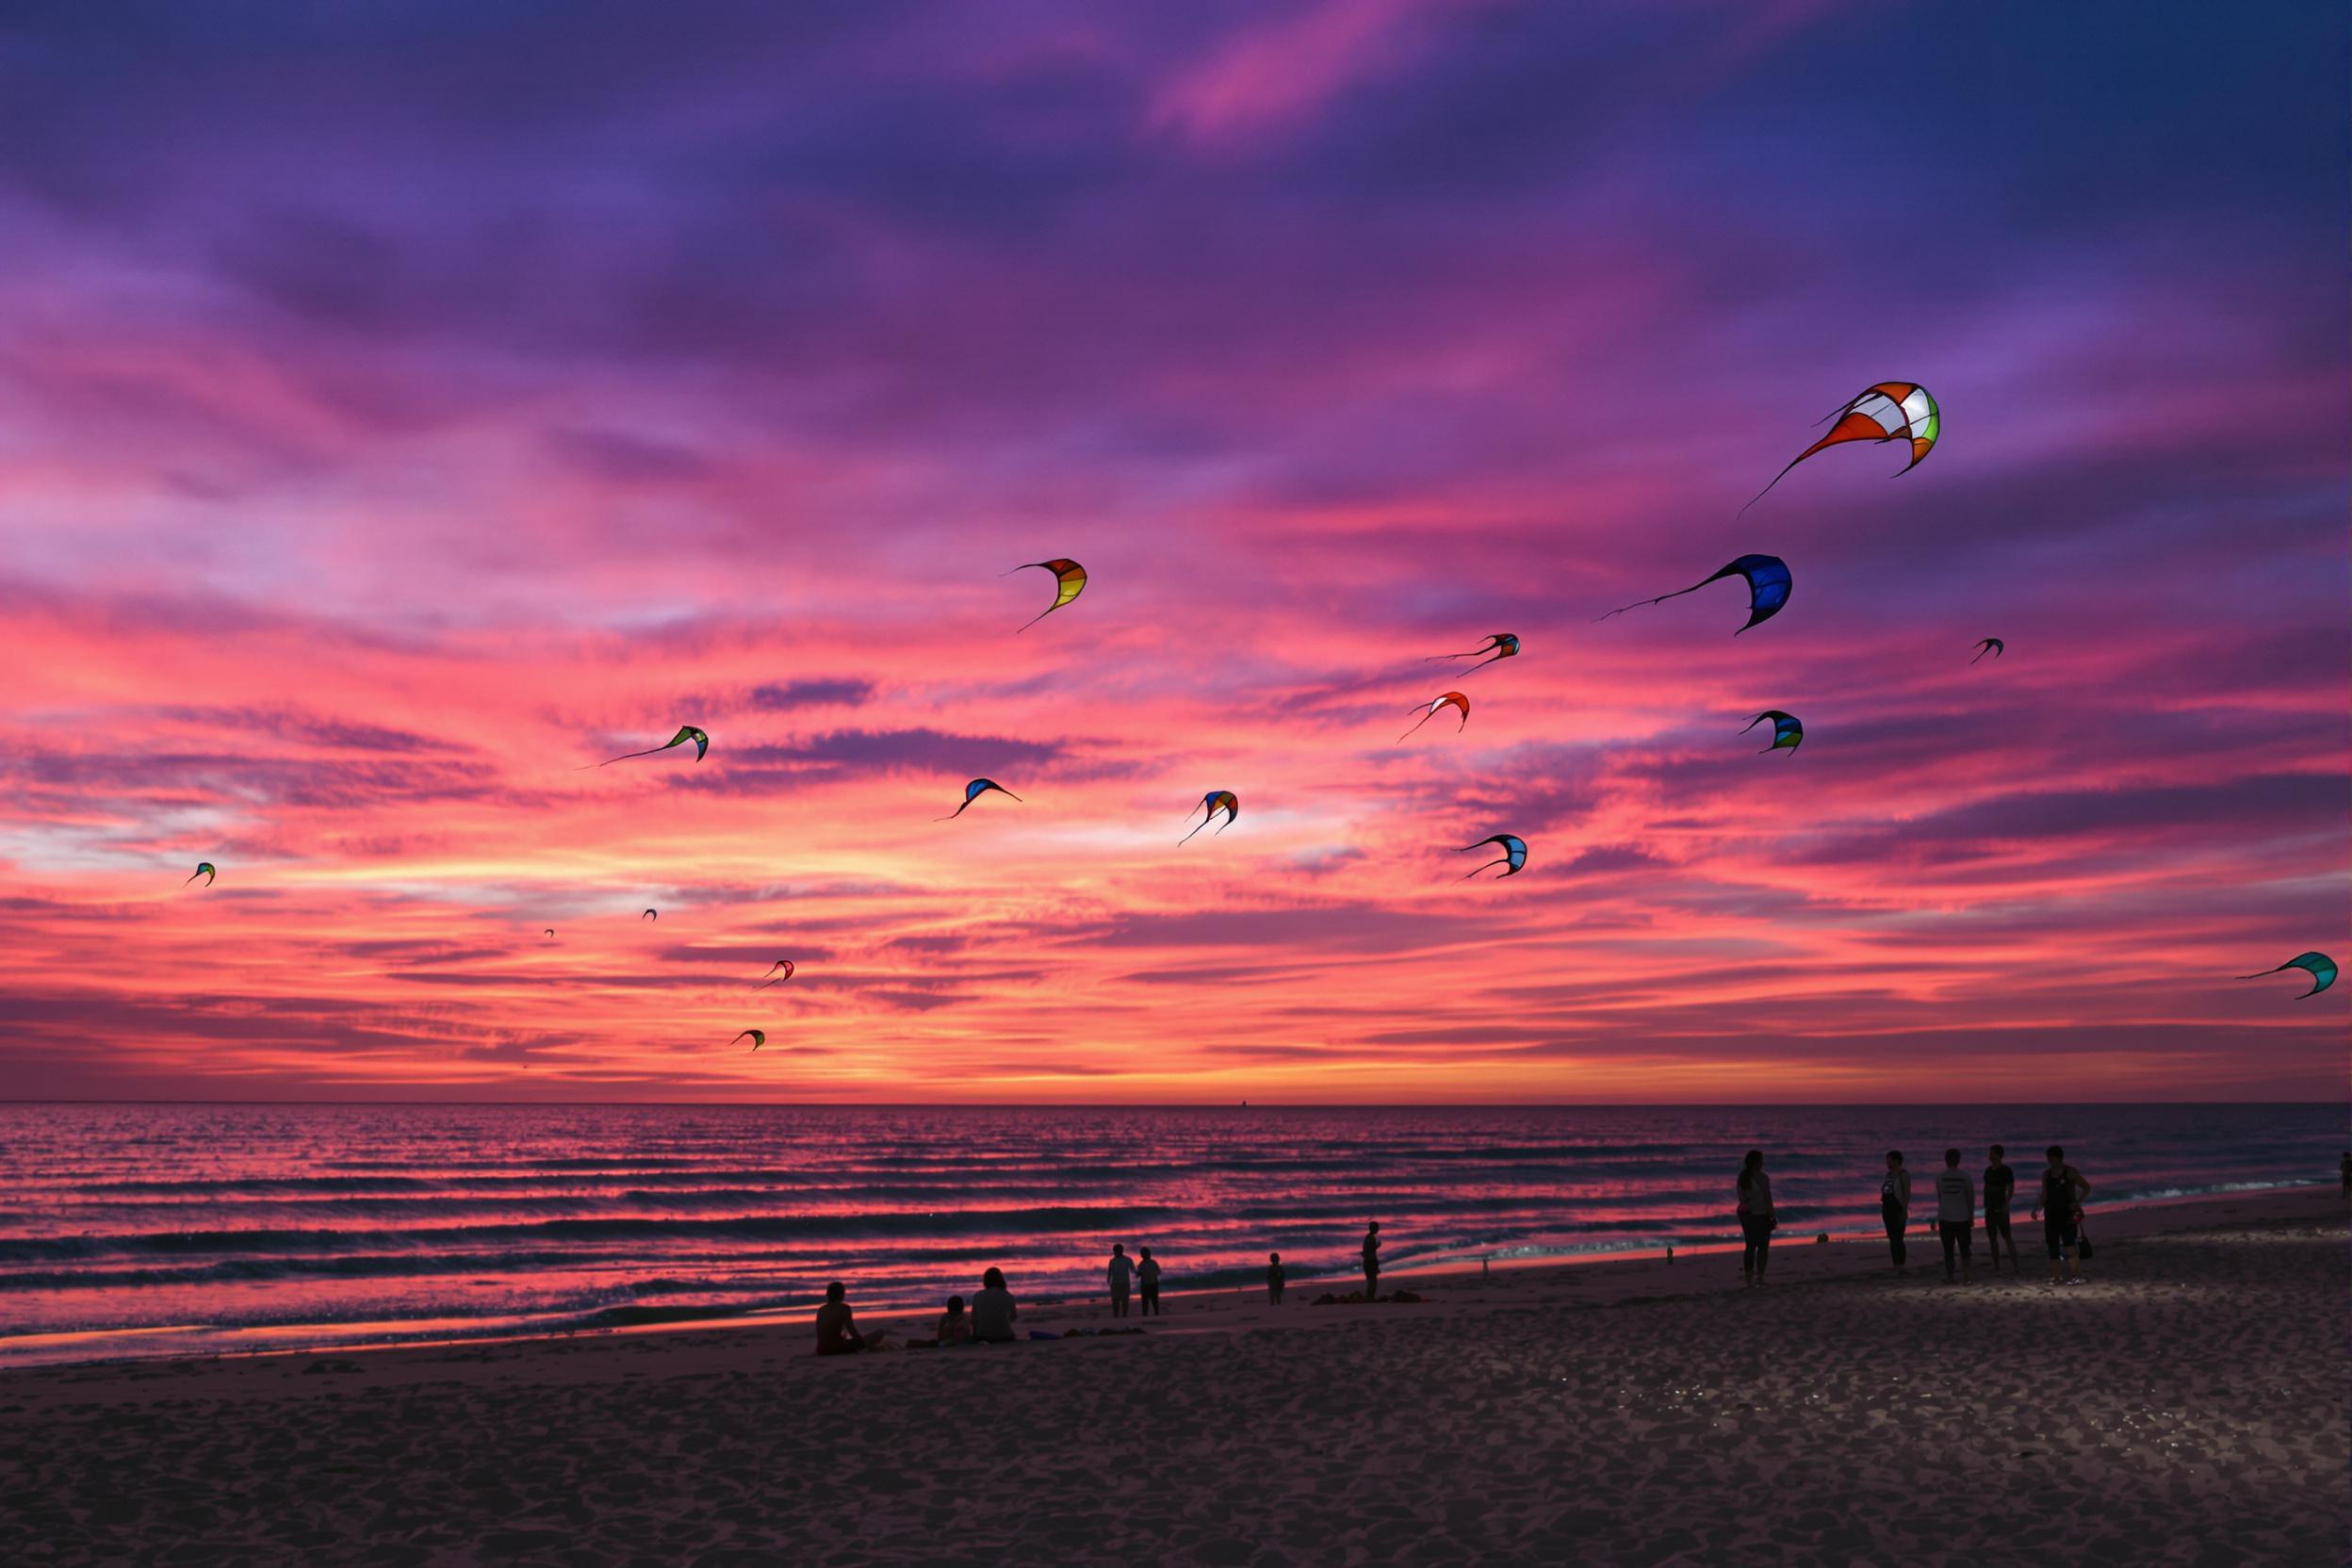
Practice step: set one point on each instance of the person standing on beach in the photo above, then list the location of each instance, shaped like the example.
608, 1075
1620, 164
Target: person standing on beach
2063, 1191
992, 1311
1372, 1262
837, 1335
1274, 1279
1123, 1275
1756, 1219
1955, 1215
2000, 1183
1894, 1205
1150, 1271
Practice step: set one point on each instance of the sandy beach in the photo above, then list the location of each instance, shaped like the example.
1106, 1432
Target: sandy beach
2185, 1406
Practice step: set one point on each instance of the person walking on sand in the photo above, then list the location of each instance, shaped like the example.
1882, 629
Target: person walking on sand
837, 1335
1894, 1206
1274, 1279
1756, 1219
1122, 1276
1372, 1262
2063, 1191
992, 1311
1955, 1217
1148, 1271
2000, 1184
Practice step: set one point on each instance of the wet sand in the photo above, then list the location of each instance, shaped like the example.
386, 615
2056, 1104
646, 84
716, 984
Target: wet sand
2186, 1406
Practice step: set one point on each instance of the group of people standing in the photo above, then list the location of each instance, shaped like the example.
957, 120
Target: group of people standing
2059, 1208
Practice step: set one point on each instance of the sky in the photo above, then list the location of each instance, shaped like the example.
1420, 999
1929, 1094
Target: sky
404, 407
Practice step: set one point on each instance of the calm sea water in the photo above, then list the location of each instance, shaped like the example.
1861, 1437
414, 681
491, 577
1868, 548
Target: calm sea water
144, 1230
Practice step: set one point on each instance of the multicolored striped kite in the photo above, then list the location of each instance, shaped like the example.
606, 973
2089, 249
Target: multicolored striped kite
1451, 698
1891, 411
973, 792
1788, 730
1072, 577
1769, 587
205, 868
2321, 968
1211, 804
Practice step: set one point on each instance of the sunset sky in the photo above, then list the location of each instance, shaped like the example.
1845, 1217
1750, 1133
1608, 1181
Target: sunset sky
403, 406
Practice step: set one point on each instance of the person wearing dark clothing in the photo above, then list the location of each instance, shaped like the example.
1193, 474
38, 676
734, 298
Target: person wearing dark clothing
1894, 1205
837, 1334
2000, 1184
2347, 1174
1372, 1263
1955, 1215
1756, 1219
993, 1312
2063, 1191
1149, 1272
1274, 1278
1122, 1277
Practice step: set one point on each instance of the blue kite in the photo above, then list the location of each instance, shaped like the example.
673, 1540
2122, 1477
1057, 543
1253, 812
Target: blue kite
1769, 587
1788, 730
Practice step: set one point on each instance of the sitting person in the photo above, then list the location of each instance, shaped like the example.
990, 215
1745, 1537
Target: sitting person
955, 1327
837, 1335
992, 1310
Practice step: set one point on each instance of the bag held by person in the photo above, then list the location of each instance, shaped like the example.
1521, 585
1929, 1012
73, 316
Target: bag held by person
2082, 1242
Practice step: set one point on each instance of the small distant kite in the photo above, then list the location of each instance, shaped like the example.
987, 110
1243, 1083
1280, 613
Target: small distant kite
1769, 587
1515, 855
1069, 575
2321, 968
1211, 804
973, 792
1993, 646
1891, 411
650, 914
1499, 644
757, 1038
775, 979
1788, 730
685, 732
205, 868
549, 932
1454, 699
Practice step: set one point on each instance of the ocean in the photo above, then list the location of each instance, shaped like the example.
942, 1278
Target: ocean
141, 1230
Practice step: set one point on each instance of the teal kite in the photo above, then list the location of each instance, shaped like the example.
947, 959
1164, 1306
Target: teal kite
1451, 699
1499, 644
1514, 850
685, 732
757, 1038
1769, 587
2321, 968
973, 792
1069, 581
205, 868
1211, 804
1787, 730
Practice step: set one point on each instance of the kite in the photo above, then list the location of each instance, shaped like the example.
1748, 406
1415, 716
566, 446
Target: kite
1515, 855
685, 732
549, 932
1788, 730
1769, 587
1211, 804
1501, 644
784, 964
757, 1037
1453, 699
1993, 646
2321, 968
1891, 411
650, 914
973, 792
204, 868
1072, 577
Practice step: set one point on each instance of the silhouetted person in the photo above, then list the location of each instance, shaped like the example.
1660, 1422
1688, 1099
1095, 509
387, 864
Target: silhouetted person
2063, 1191
2000, 1184
1372, 1262
1894, 1205
1149, 1272
837, 1335
1756, 1219
992, 1310
955, 1324
1122, 1276
1274, 1278
2347, 1174
1955, 1217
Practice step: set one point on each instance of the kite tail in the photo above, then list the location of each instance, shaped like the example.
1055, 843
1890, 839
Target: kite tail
1187, 838
1661, 600
1782, 475
1489, 866
1036, 618
622, 758
2265, 971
